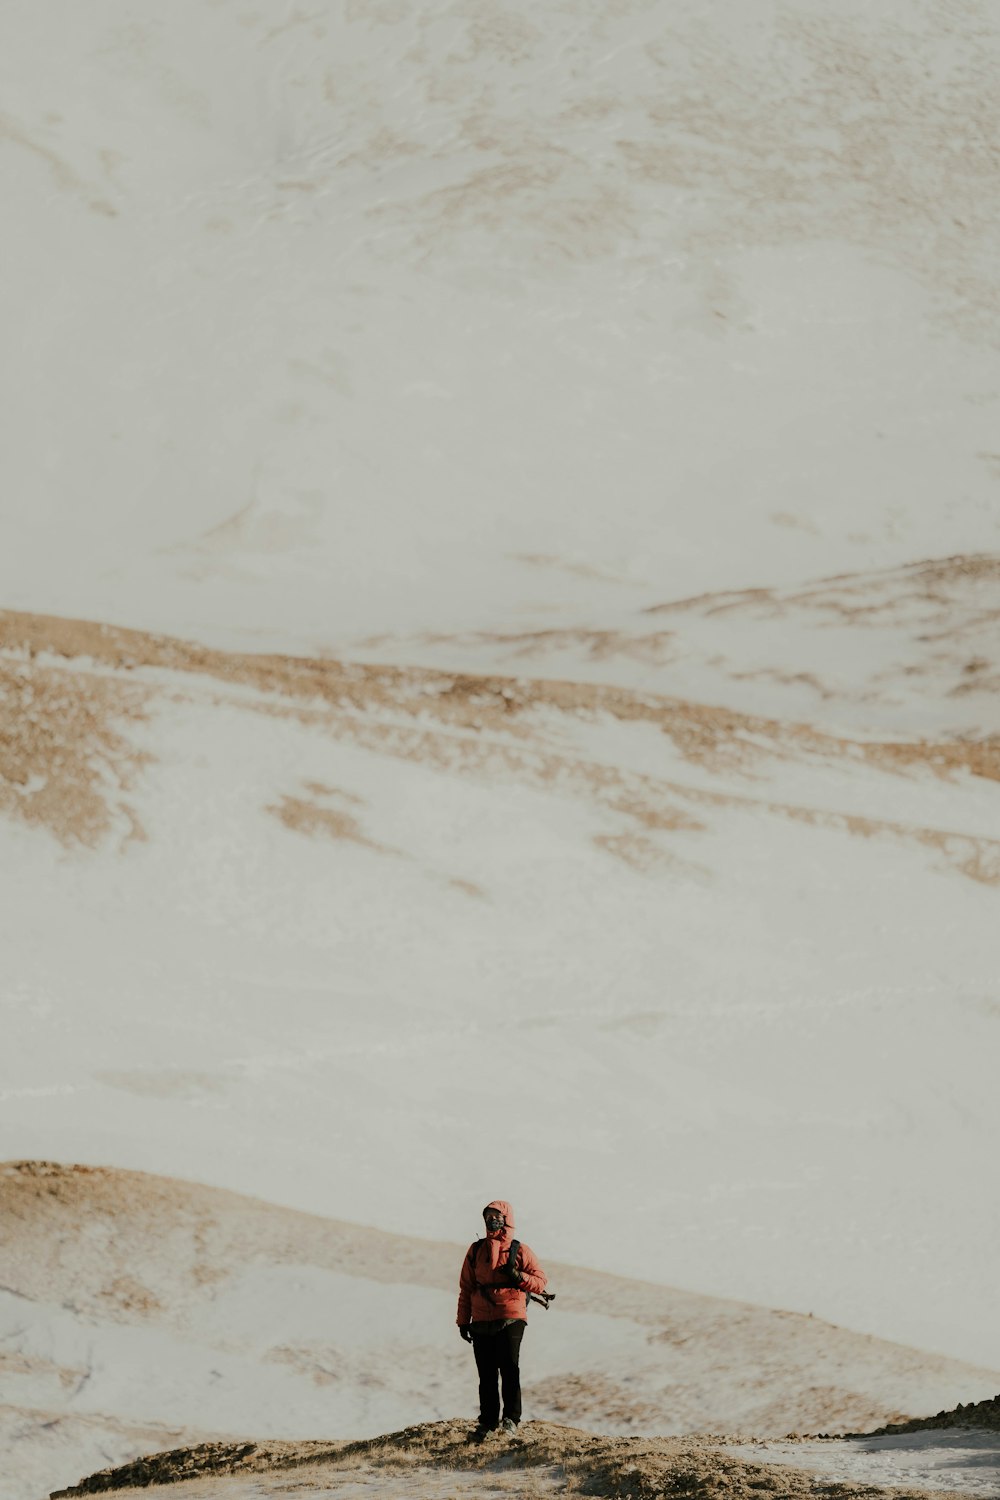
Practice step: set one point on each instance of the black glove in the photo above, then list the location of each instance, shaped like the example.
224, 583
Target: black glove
466, 1331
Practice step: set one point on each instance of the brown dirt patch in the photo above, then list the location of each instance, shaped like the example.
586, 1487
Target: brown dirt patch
713, 737
304, 815
651, 801
634, 850
942, 597
65, 756
323, 1367
129, 1295
483, 725
594, 1399
34, 1364
651, 646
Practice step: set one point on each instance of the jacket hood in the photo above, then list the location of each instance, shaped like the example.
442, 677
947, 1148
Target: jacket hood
506, 1210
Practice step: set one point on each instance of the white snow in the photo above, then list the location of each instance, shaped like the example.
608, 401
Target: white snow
327, 319
966, 1461
753, 1064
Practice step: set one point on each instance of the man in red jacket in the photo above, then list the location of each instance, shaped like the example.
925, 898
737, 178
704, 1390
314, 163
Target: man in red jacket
492, 1313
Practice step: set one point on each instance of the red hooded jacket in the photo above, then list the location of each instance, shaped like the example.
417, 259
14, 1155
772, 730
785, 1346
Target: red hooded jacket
484, 1293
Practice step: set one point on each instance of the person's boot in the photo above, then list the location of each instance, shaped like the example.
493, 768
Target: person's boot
479, 1433
508, 1427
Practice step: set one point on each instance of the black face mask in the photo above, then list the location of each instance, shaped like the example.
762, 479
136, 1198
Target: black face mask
493, 1222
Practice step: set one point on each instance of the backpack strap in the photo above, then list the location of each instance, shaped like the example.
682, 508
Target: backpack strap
511, 1261
472, 1257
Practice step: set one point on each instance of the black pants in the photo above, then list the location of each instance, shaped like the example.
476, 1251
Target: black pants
497, 1355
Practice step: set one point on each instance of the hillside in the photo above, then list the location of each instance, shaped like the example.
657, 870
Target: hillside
393, 318
910, 650
138, 1302
295, 898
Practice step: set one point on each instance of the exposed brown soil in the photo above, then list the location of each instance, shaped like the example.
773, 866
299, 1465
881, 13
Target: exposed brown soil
862, 597
65, 758
595, 1399
652, 801
708, 735
946, 608
638, 853
651, 646
636, 1468
309, 816
35, 1364
944, 611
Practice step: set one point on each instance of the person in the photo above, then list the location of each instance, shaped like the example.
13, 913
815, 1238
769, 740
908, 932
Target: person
493, 1314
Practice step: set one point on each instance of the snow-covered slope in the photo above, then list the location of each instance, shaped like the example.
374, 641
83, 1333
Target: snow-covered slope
709, 997
912, 650
332, 320
162, 1302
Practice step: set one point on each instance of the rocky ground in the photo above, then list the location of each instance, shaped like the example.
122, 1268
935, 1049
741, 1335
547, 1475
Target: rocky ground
978, 1414
544, 1457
